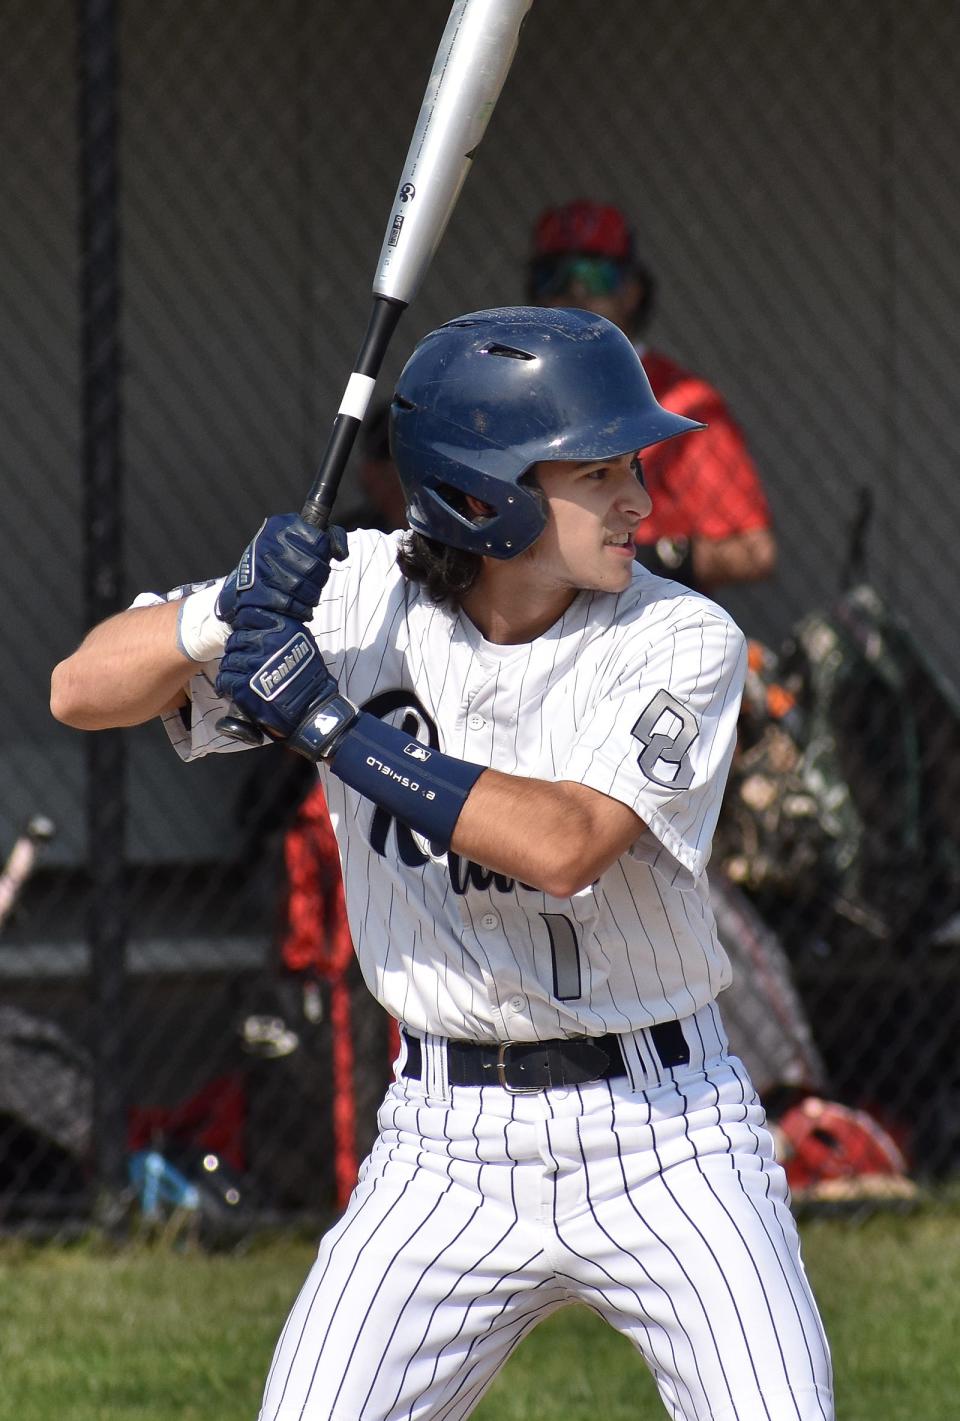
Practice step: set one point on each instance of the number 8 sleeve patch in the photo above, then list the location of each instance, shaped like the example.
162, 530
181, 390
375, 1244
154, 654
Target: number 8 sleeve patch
666, 730
659, 732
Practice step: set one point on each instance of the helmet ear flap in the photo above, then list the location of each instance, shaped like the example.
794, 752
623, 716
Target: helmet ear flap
438, 487
456, 504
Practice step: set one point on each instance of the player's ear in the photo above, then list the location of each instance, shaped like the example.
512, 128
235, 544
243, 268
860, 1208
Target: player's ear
477, 510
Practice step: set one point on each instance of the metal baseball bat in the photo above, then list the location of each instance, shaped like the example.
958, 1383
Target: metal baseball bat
471, 65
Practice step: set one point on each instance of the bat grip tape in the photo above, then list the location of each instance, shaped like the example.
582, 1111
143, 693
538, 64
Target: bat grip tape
357, 395
419, 786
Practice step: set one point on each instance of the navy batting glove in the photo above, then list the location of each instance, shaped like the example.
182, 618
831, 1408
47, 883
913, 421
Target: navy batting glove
272, 670
284, 569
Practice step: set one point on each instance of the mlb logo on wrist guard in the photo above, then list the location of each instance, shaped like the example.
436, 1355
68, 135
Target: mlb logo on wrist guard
416, 752
283, 667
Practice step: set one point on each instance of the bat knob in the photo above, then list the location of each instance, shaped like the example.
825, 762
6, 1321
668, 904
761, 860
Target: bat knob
40, 828
236, 727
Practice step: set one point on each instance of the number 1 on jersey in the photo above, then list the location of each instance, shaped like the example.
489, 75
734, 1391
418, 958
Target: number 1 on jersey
565, 952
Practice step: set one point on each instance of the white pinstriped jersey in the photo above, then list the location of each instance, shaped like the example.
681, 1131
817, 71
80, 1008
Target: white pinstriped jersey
635, 695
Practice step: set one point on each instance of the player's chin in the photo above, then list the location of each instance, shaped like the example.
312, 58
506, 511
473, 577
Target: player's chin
608, 570
616, 573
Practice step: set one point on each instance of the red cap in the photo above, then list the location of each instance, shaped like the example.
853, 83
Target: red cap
583, 228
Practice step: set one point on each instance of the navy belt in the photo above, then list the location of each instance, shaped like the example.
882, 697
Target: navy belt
526, 1067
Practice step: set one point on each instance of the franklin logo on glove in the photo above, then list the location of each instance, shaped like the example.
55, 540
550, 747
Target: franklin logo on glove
281, 669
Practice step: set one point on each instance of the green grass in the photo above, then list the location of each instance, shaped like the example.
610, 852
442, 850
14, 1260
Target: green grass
149, 1334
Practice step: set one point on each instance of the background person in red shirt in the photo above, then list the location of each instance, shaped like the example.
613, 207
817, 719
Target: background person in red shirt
710, 523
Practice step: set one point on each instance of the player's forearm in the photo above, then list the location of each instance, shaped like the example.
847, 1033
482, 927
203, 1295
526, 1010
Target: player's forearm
559, 837
746, 557
125, 671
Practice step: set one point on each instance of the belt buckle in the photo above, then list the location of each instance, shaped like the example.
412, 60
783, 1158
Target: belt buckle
502, 1048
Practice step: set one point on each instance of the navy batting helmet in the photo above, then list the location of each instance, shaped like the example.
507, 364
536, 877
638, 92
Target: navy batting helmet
490, 394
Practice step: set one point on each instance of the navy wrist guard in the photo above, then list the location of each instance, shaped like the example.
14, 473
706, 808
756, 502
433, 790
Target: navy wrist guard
326, 721
421, 787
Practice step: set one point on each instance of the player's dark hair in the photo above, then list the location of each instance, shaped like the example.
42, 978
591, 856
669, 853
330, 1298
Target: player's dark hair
446, 574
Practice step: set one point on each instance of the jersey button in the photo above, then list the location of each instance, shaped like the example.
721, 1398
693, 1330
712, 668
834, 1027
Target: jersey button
517, 1005
476, 722
490, 920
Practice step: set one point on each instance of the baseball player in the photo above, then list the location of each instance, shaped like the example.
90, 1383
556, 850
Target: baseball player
523, 737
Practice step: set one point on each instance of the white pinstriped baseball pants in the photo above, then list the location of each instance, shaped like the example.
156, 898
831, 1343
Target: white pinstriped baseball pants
655, 1201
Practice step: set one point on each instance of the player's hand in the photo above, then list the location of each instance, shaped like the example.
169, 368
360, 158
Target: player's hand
272, 670
284, 569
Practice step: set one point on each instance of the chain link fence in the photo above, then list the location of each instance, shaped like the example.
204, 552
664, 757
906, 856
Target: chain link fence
194, 198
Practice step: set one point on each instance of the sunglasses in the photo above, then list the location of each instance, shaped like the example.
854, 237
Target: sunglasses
551, 276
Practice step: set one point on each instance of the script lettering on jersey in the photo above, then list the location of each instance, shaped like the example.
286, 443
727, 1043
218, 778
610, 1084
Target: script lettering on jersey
465, 874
